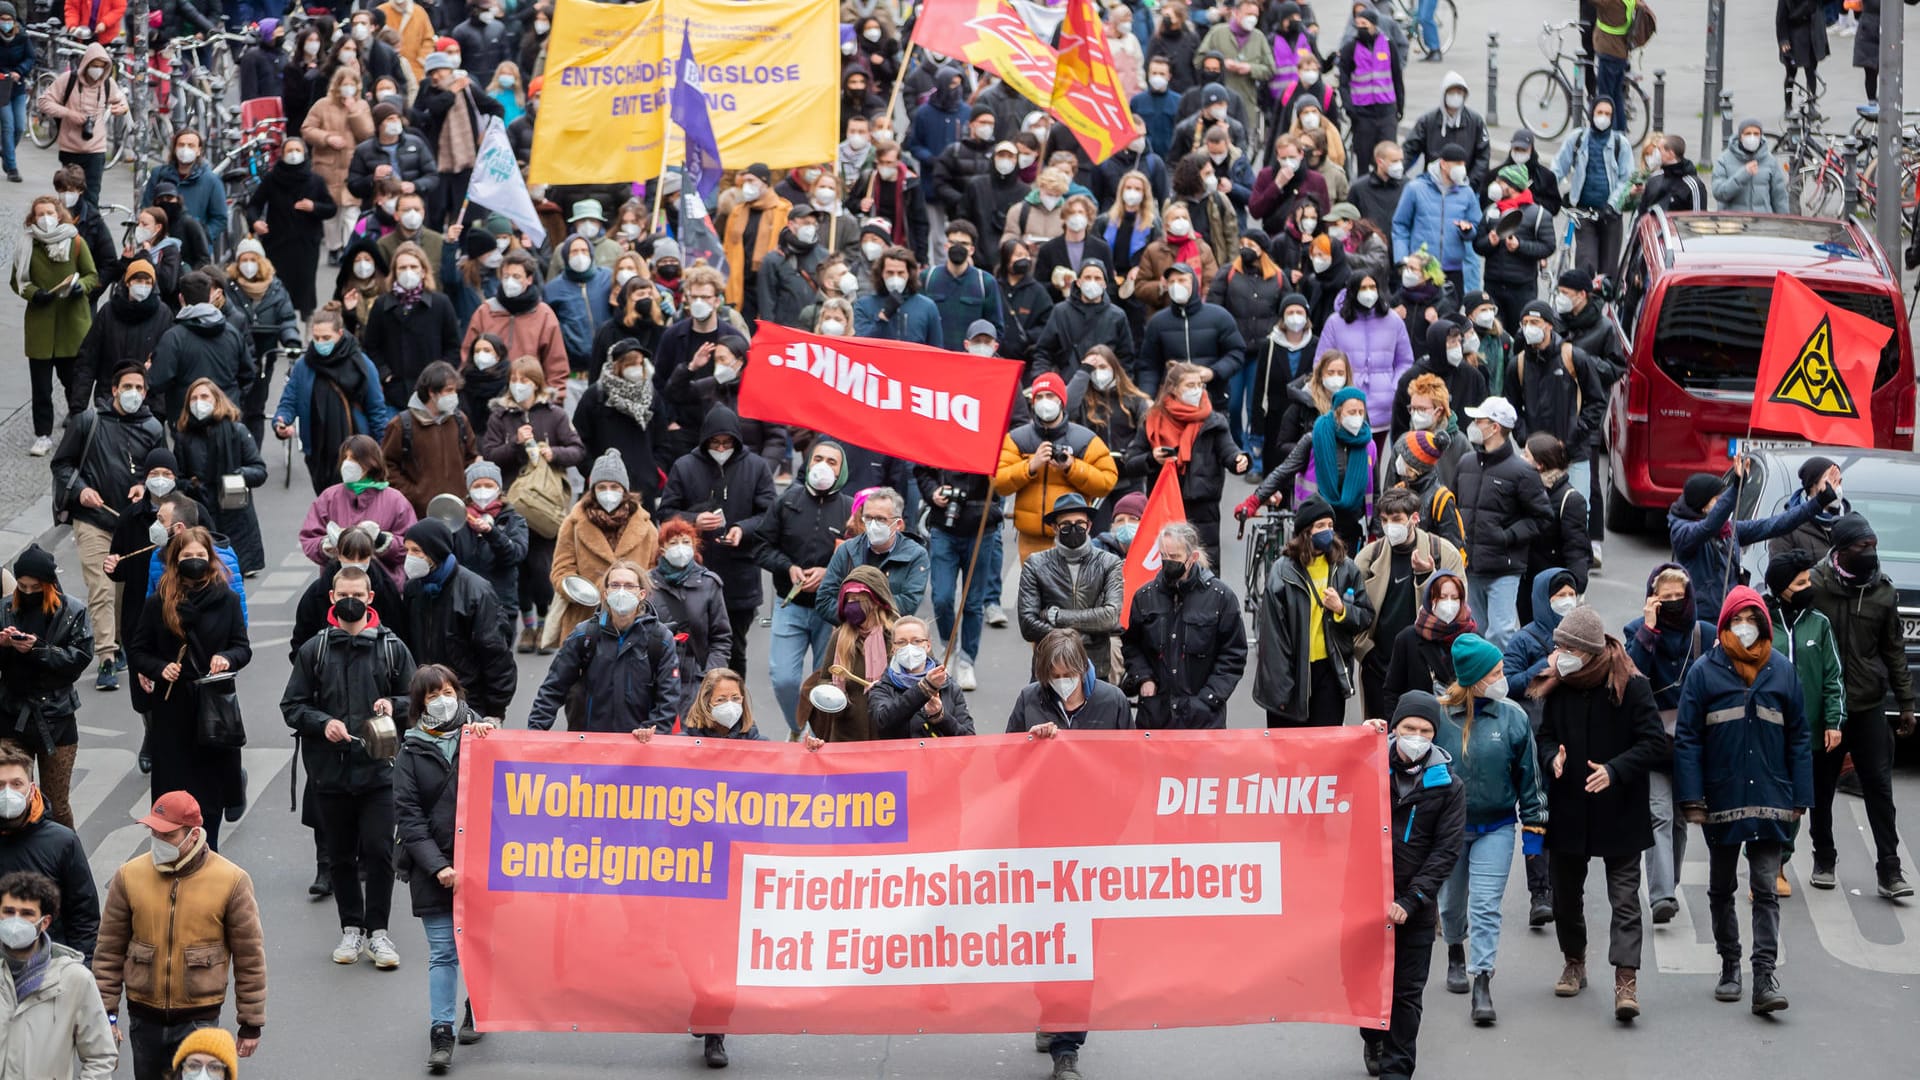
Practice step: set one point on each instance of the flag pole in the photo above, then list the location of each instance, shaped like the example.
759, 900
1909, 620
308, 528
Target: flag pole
906, 61
966, 580
666, 134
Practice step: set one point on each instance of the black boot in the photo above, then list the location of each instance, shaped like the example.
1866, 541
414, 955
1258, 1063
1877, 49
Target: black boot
440, 1056
1370, 1056
1483, 998
1540, 909
1728, 988
716, 1051
322, 886
1456, 969
468, 1033
1767, 997
237, 804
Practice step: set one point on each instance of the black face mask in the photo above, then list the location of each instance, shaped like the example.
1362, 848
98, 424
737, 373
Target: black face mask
1172, 570
1073, 534
349, 609
1859, 564
1209, 75
28, 601
958, 254
1676, 614
1022, 267
195, 569
1250, 259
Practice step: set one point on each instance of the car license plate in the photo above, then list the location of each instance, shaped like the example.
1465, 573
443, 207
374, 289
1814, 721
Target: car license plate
1910, 628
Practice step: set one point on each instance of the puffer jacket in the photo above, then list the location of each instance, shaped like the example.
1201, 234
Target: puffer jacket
339, 676
897, 704
1866, 629
460, 626
1521, 266
202, 343
123, 329
58, 1020
1424, 221
694, 610
1502, 770
1763, 191
802, 528
496, 555
1105, 708
37, 698
1090, 470
1744, 752
1505, 507
1189, 641
741, 490
620, 681
1071, 329
1569, 406
1252, 299
1089, 596
1283, 665
46, 847
170, 940
1379, 352
1195, 332
1427, 837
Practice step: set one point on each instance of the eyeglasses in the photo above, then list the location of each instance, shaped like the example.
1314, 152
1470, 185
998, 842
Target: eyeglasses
885, 519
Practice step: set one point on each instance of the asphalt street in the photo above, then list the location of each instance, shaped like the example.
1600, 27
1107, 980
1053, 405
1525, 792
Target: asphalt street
1851, 962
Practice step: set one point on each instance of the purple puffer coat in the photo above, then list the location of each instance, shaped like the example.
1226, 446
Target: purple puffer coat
1379, 352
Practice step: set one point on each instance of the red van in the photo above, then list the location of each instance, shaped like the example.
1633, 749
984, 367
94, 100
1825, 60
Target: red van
1692, 312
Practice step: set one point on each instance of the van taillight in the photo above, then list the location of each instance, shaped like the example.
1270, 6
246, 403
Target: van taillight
1903, 420
1637, 396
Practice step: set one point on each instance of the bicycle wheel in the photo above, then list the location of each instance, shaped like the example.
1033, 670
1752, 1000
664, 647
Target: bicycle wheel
1639, 112
1821, 191
117, 127
237, 227
1546, 103
41, 128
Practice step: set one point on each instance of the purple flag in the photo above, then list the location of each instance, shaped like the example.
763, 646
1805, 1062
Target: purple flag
689, 106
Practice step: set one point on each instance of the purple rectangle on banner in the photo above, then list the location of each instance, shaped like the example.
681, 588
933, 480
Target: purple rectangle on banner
642, 830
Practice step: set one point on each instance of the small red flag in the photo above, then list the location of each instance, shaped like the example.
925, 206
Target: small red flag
1164, 507
1816, 368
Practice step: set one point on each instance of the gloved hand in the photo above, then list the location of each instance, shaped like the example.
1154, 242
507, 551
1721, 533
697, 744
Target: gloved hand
42, 297
1247, 508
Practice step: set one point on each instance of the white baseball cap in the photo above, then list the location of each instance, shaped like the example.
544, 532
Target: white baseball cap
1497, 409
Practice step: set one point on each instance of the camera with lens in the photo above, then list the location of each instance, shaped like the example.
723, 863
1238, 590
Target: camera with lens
86, 129
955, 497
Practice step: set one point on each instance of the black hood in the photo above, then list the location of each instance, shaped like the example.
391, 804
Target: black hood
720, 421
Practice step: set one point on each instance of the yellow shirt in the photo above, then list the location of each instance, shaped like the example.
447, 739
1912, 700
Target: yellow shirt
1320, 572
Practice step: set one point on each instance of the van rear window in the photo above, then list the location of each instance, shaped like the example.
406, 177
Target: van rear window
1710, 335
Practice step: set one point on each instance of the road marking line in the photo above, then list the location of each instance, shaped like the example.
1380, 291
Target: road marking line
1833, 918
98, 732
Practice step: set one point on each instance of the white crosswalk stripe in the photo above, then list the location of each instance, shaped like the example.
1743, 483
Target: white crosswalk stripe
123, 843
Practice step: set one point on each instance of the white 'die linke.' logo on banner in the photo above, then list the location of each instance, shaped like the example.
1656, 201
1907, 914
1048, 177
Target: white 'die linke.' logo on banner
865, 383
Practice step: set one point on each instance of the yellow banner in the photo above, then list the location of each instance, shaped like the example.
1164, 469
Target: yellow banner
770, 70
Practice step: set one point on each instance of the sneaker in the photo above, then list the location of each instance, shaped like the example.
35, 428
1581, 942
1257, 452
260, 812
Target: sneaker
43, 446
385, 956
440, 1052
715, 1051
353, 944
1596, 555
1823, 877
468, 1033
1540, 910
1370, 1057
1664, 909
964, 675
1066, 1066
996, 615
108, 678
1893, 885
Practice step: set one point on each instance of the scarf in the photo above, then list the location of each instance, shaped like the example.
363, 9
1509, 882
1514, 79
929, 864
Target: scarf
444, 744
458, 147
675, 574
1186, 249
437, 580
1525, 198
34, 972
1613, 668
615, 523
634, 400
910, 679
58, 241
1429, 626
407, 298
361, 487
1747, 662
1551, 477
1344, 489
518, 305
258, 287
1175, 423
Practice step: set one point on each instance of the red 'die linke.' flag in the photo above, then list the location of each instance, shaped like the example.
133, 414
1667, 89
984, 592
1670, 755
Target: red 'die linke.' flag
1164, 507
928, 406
1816, 368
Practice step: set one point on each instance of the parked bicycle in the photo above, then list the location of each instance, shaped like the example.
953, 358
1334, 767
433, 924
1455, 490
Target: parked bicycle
242, 171
1445, 18
1547, 98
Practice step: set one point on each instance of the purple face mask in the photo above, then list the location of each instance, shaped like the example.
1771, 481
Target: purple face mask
851, 612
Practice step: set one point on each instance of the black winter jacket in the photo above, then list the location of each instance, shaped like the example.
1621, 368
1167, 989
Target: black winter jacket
460, 627
695, 612
1627, 738
1563, 540
1197, 333
1089, 603
310, 615
431, 106
742, 490
416, 165
1570, 407
1205, 479
1592, 331
1105, 708
952, 171
426, 797
900, 712
620, 682
209, 347
1866, 631
483, 46
208, 450
496, 555
801, 529
1520, 266
1073, 328
339, 676
601, 427
1504, 505
402, 341
123, 329
1252, 299
47, 847
977, 489
112, 459
1428, 821
37, 698
1189, 641
1283, 665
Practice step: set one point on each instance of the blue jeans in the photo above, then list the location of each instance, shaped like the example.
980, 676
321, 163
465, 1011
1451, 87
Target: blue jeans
1470, 900
443, 970
948, 553
13, 124
1237, 389
1612, 77
1429, 26
796, 628
1494, 602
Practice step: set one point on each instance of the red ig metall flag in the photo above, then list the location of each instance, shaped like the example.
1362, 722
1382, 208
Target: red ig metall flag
1164, 507
1816, 368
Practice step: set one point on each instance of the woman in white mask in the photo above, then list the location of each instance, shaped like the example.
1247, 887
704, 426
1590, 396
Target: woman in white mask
1064, 694
1373, 336
1335, 460
915, 699
290, 210
615, 671
691, 602
426, 791
1601, 739
524, 425
335, 125
358, 496
53, 270
620, 411
1420, 656
220, 465
431, 441
607, 525
1309, 396
1184, 428
1113, 408
1504, 790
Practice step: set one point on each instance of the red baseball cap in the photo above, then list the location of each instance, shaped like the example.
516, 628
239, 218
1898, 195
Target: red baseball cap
174, 810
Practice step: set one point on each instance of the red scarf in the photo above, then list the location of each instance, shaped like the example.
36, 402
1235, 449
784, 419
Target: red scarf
1525, 198
1186, 250
1175, 423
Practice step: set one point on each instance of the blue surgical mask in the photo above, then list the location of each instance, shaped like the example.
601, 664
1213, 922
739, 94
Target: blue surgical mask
1323, 540
324, 348
1124, 533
